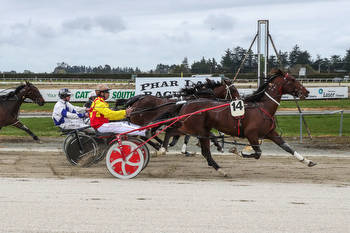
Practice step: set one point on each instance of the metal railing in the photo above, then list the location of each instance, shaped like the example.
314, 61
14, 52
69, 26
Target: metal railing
316, 113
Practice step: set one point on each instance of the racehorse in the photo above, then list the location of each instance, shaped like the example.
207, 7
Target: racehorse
11, 102
258, 121
150, 108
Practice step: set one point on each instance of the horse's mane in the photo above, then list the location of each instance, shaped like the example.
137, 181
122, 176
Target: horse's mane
13, 93
208, 84
259, 93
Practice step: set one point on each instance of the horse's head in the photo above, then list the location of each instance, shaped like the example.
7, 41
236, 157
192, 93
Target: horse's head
222, 90
31, 92
231, 91
289, 85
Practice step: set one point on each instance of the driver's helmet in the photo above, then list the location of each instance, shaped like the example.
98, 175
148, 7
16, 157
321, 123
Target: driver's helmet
64, 92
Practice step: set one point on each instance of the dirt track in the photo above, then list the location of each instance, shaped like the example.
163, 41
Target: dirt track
268, 168
42, 192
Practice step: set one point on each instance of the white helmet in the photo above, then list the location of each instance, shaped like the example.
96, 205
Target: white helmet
64, 92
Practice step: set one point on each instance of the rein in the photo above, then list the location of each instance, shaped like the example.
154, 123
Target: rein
151, 109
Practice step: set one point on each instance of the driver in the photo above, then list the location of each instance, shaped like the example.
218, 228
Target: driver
67, 116
101, 114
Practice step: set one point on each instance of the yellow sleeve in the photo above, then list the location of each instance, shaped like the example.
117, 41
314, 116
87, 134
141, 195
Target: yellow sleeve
103, 108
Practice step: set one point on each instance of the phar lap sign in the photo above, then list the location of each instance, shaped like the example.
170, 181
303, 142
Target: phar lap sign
167, 86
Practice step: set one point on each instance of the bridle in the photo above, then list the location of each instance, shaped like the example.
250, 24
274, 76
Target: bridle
28, 93
228, 92
285, 78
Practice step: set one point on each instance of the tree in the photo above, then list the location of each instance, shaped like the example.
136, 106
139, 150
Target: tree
346, 60
162, 69
201, 67
213, 66
293, 55
304, 58
227, 62
296, 56
336, 62
185, 66
284, 58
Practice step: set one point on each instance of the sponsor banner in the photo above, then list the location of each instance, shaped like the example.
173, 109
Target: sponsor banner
167, 86
82, 95
315, 93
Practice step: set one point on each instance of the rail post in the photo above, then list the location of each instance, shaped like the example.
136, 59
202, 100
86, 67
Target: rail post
341, 123
301, 126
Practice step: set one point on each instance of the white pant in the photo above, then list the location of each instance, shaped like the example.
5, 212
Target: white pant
120, 127
73, 123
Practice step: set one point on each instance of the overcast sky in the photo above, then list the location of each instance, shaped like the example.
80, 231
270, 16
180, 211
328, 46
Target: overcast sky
36, 34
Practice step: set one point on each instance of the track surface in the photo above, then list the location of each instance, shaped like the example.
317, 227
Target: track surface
41, 192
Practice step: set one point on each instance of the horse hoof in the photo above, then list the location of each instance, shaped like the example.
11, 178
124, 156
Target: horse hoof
248, 148
162, 151
222, 172
311, 164
257, 156
39, 142
233, 150
189, 154
246, 155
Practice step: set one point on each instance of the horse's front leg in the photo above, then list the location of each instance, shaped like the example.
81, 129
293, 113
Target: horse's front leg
273, 136
205, 146
214, 140
21, 126
184, 147
163, 149
174, 141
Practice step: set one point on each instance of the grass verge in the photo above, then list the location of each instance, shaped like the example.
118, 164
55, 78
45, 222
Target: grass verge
340, 104
320, 125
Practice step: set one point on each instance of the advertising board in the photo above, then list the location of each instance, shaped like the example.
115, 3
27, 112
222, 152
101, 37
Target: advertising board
82, 95
167, 86
170, 86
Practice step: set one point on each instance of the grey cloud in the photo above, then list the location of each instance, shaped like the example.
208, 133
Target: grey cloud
219, 22
112, 24
183, 37
81, 23
23, 34
45, 31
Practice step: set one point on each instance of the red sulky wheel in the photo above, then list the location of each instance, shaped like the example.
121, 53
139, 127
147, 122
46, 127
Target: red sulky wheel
126, 168
144, 150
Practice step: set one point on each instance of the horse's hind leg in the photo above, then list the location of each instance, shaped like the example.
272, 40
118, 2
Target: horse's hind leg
205, 146
273, 136
21, 126
254, 142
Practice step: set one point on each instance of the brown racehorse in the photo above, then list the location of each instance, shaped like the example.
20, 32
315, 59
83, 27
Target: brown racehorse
257, 123
150, 108
11, 102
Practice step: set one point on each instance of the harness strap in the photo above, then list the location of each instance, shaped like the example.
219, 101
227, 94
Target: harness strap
15, 122
276, 102
269, 116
